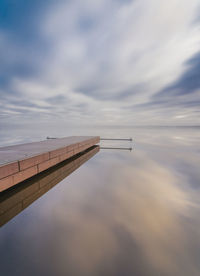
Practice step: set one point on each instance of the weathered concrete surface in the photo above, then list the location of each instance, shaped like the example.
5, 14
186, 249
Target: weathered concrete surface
15, 200
20, 162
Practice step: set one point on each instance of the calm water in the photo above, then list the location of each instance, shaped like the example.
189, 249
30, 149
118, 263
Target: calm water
120, 213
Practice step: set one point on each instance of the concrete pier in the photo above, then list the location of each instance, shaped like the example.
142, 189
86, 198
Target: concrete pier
20, 162
18, 198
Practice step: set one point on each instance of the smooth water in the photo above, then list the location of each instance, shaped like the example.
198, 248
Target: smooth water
120, 213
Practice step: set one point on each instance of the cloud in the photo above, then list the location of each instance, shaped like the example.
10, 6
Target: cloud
101, 55
189, 81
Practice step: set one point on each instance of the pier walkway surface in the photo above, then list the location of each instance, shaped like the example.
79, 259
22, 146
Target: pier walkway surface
20, 162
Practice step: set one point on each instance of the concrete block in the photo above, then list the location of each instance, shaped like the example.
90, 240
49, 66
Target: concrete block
65, 156
57, 152
30, 162
8, 169
47, 164
22, 175
6, 183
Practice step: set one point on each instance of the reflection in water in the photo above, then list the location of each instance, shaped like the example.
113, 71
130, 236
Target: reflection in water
21, 196
121, 214
132, 225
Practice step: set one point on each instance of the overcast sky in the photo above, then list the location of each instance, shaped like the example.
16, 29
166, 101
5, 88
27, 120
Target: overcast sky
100, 62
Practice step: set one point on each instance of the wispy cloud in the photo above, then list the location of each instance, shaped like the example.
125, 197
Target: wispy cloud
110, 61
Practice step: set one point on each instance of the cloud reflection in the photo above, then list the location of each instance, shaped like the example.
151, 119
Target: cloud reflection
123, 224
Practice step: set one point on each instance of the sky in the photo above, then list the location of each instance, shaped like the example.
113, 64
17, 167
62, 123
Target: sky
100, 62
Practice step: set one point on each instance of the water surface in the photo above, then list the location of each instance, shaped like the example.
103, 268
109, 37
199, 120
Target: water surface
120, 213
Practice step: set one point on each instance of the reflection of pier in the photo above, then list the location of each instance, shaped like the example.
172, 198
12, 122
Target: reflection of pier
16, 199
